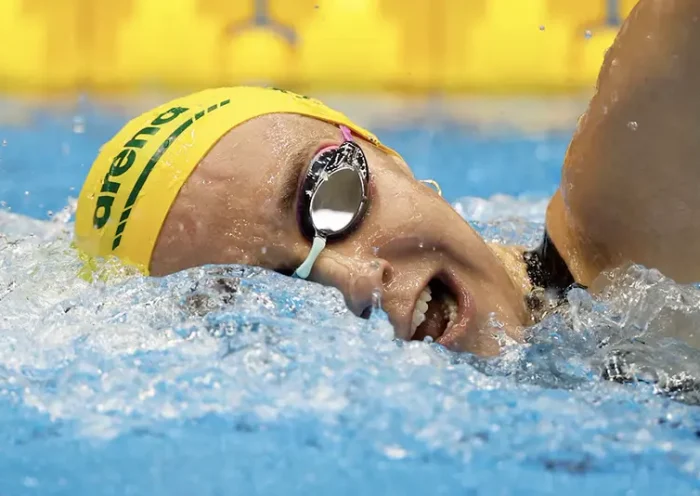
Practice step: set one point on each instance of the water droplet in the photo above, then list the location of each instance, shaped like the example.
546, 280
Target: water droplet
78, 124
633, 125
72, 188
26, 193
395, 452
4, 143
316, 6
428, 339
375, 250
377, 298
588, 34
542, 27
263, 250
421, 244
49, 213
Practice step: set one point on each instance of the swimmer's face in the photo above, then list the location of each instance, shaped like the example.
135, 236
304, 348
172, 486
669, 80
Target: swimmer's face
240, 206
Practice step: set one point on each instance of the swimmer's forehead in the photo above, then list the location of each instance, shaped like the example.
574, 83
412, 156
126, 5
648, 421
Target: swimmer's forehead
271, 153
139, 173
297, 133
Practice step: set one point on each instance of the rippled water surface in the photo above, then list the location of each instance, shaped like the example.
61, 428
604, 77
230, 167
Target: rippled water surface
235, 380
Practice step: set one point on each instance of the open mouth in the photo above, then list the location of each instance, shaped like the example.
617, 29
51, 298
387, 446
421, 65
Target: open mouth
435, 311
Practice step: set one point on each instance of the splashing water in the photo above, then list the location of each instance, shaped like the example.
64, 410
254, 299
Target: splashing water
235, 380
232, 379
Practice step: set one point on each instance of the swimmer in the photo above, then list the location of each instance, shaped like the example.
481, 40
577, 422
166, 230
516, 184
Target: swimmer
268, 178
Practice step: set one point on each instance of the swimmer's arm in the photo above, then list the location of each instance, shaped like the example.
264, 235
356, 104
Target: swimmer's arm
630, 189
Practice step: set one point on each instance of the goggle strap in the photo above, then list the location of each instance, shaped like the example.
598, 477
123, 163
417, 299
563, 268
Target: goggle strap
347, 134
316, 248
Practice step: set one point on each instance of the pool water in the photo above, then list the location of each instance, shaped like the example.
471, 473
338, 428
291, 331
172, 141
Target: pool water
234, 380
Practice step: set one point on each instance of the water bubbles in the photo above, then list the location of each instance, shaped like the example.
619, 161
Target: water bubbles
375, 250
542, 27
421, 244
632, 125
3, 143
64, 215
588, 34
26, 193
493, 210
263, 250
579, 298
284, 362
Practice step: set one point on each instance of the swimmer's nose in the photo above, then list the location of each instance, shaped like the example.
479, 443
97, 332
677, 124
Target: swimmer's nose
360, 280
368, 286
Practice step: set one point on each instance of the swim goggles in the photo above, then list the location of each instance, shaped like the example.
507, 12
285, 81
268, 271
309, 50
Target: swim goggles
333, 197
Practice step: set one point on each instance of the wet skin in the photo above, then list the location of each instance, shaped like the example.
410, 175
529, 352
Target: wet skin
630, 183
233, 209
629, 193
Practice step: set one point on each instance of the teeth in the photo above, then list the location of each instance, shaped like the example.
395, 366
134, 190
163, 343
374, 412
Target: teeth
450, 310
421, 308
426, 295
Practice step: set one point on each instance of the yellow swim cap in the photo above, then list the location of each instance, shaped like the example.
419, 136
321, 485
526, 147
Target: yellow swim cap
138, 174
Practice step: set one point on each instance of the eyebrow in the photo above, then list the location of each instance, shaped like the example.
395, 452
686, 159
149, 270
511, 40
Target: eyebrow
298, 161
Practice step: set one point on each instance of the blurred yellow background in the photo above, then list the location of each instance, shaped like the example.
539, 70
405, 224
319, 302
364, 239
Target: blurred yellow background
418, 46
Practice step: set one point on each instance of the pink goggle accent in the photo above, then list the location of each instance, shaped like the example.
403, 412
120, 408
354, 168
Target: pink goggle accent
347, 135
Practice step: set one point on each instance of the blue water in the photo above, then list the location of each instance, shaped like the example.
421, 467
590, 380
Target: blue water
49, 148
180, 386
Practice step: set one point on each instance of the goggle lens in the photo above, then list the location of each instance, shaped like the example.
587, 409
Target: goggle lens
334, 197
